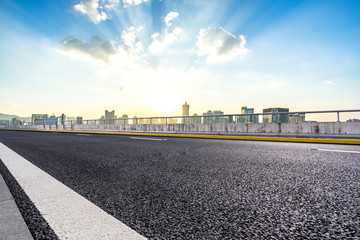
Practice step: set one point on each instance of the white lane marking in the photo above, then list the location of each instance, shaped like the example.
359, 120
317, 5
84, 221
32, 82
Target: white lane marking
70, 215
333, 150
153, 139
83, 134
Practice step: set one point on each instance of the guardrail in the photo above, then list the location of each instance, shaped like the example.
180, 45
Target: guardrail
271, 117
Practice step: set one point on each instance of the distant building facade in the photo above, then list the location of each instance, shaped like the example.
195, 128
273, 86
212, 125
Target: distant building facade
297, 118
38, 119
79, 120
16, 122
276, 118
52, 120
109, 117
353, 120
215, 117
125, 119
248, 118
5, 122
195, 119
62, 119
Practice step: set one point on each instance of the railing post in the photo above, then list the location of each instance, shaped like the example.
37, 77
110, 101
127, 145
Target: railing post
166, 120
150, 120
338, 117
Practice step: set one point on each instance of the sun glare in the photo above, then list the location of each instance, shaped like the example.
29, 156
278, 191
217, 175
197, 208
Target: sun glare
162, 100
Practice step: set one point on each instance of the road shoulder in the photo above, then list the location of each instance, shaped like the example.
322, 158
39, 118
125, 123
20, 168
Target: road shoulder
12, 224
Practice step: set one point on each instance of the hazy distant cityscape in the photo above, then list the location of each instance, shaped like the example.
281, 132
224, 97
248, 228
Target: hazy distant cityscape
248, 115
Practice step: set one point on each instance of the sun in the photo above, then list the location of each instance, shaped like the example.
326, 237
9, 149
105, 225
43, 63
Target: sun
162, 100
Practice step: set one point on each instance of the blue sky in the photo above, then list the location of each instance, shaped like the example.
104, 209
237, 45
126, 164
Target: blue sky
147, 57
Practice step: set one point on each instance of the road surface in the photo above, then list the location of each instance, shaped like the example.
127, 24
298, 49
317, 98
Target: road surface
177, 188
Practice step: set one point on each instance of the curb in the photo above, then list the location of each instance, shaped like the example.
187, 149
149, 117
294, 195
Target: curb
12, 224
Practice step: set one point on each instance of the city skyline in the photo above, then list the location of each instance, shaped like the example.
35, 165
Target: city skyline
256, 117
145, 58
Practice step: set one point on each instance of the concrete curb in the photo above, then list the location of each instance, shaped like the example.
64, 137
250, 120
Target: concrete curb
12, 224
225, 137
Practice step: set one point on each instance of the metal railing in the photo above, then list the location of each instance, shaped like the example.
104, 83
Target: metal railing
267, 117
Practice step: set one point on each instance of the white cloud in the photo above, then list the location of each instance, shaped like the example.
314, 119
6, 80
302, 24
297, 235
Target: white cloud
162, 41
110, 4
97, 48
129, 38
133, 2
170, 17
219, 45
92, 10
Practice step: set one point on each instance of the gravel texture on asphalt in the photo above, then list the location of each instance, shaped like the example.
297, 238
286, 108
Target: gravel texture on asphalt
37, 225
206, 189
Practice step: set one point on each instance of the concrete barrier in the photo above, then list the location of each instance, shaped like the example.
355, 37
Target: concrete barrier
338, 128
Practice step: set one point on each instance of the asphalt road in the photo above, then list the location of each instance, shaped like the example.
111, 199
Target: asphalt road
181, 188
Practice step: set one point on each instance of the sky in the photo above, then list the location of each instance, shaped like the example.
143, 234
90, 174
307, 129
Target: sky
147, 57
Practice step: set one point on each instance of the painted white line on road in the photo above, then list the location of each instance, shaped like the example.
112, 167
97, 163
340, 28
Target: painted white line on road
83, 134
70, 215
153, 139
333, 150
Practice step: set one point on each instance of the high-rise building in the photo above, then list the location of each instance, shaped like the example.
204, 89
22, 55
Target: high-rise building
109, 117
62, 119
186, 109
38, 119
275, 118
247, 118
185, 112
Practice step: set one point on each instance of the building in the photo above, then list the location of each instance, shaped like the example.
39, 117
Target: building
297, 118
172, 121
79, 120
124, 119
247, 118
5, 122
195, 119
110, 117
215, 117
353, 120
185, 112
38, 119
62, 119
52, 120
16, 122
186, 109
275, 118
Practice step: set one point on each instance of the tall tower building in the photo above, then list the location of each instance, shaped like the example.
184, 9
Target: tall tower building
186, 108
